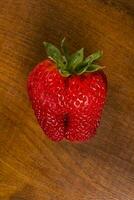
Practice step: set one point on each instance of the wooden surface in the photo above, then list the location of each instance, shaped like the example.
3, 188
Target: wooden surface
31, 166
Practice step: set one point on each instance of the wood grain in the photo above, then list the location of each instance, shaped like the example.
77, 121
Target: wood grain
31, 166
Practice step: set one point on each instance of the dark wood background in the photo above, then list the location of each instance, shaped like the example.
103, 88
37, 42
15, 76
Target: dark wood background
31, 166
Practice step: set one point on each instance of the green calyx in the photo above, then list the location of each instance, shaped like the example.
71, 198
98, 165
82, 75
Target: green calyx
75, 63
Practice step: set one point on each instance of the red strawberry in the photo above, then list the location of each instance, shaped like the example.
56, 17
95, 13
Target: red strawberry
68, 94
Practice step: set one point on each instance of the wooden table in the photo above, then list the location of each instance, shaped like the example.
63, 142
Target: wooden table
31, 166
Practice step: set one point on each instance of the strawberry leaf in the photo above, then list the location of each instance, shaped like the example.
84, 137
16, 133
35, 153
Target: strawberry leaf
94, 68
76, 59
65, 73
93, 57
64, 49
54, 54
75, 63
81, 69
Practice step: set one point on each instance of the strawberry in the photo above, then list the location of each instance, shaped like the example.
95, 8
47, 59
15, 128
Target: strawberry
68, 93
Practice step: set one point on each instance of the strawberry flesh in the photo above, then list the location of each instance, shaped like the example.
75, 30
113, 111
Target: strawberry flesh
67, 107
